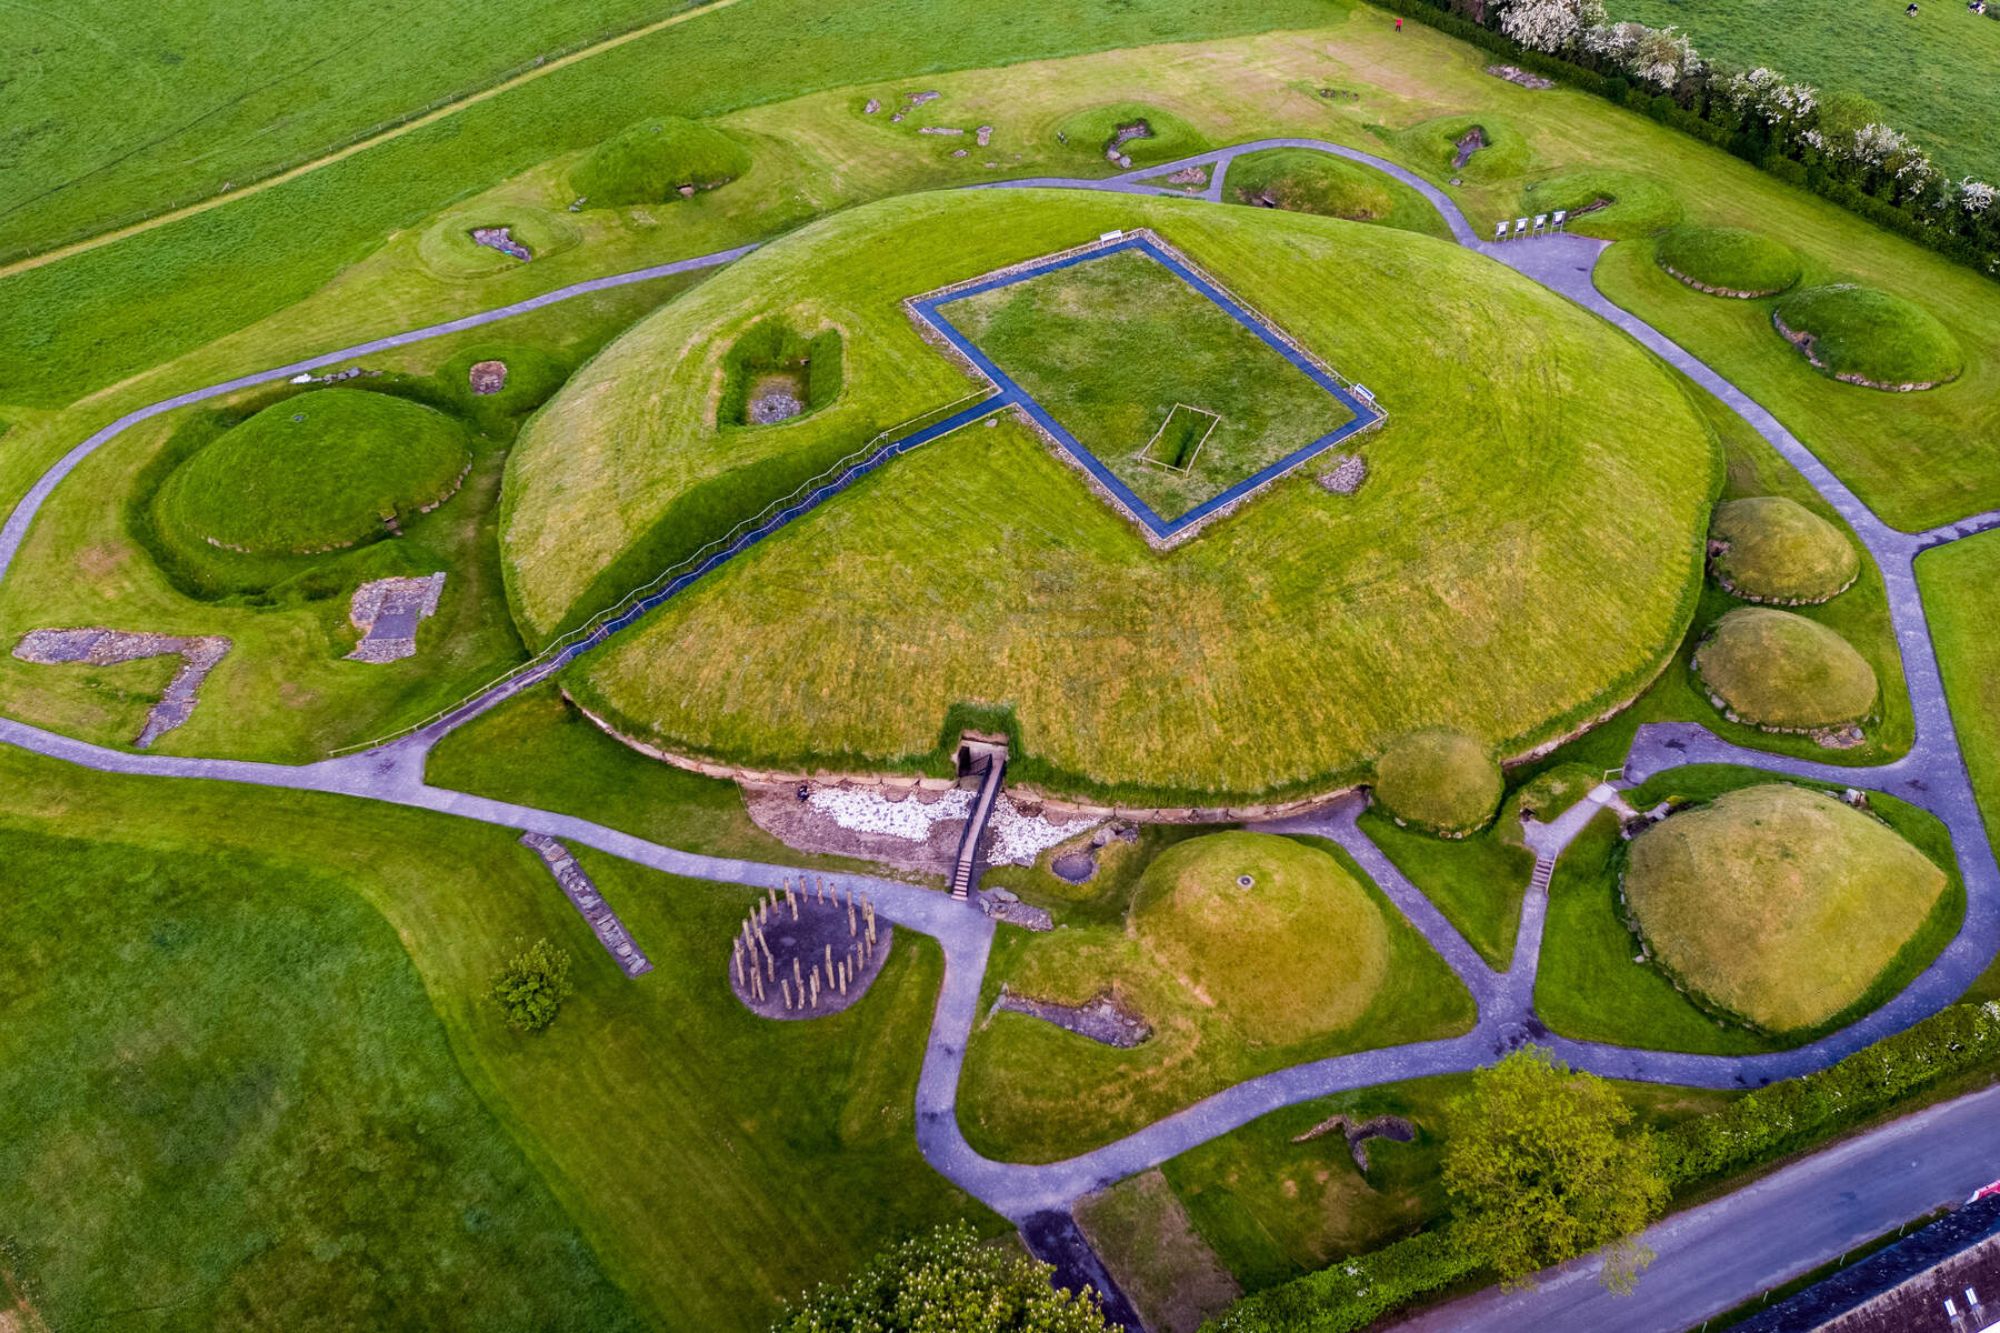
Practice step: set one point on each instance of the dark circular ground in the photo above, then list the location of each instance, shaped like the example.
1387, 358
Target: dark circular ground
804, 941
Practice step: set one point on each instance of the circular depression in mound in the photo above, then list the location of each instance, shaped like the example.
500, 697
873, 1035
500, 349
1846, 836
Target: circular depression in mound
1777, 904
1523, 557
1303, 950
317, 472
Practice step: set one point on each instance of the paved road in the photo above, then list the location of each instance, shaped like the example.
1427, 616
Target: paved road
1715, 1257
1932, 775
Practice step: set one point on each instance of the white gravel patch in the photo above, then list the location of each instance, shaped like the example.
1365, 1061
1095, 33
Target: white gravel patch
1018, 839
871, 812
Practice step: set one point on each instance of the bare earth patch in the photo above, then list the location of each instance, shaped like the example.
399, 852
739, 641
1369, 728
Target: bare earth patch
105, 647
1147, 1242
807, 952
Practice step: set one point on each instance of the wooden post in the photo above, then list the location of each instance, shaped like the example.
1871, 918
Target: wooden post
736, 959
785, 990
815, 989
829, 963
797, 979
791, 902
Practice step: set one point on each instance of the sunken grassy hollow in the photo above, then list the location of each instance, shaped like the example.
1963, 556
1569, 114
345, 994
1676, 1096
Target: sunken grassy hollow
1524, 555
1777, 904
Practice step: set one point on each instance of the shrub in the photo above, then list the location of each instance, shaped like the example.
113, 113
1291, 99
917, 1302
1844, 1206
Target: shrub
1442, 781
1354, 1293
947, 1280
1776, 669
531, 987
649, 163
1796, 1113
1728, 260
1868, 337
1777, 550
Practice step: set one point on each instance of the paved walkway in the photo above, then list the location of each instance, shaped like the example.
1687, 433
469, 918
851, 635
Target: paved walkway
1932, 775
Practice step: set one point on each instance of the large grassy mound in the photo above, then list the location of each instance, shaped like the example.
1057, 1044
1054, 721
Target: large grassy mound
1776, 669
1773, 549
317, 472
1728, 261
1275, 934
1242, 952
1524, 553
1302, 180
1443, 781
1778, 904
649, 163
1868, 337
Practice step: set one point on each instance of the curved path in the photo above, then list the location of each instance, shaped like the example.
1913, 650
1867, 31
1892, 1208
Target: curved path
1932, 775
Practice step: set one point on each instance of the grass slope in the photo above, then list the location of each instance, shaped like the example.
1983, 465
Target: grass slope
679, 1133
1961, 588
1111, 346
1240, 683
227, 1101
1776, 903
1302, 181
1230, 986
313, 473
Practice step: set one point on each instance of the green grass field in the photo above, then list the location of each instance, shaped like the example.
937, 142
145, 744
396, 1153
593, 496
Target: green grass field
1113, 346
1611, 518
1922, 70
228, 1099
1959, 583
679, 1134
1219, 974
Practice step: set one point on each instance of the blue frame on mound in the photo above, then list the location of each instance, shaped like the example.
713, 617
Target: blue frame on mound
1364, 412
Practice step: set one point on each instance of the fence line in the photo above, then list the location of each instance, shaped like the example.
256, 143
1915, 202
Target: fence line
601, 625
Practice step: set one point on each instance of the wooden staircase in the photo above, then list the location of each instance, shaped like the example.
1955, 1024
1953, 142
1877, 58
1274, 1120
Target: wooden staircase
989, 769
1545, 870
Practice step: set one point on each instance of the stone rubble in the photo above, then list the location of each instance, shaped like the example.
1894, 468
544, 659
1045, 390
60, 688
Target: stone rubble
104, 647
388, 611
1018, 837
582, 893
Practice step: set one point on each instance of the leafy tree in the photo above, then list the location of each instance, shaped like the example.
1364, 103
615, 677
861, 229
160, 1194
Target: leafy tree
1540, 1172
533, 985
946, 1282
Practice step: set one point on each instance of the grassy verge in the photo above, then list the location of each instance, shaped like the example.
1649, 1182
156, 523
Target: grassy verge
678, 1132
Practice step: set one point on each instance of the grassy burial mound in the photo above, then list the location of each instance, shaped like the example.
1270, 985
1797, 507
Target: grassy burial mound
1601, 202
1540, 576
1241, 952
657, 161
1441, 781
1766, 548
1474, 148
1728, 261
1861, 336
1779, 670
1172, 394
1778, 905
1139, 133
1301, 180
319, 472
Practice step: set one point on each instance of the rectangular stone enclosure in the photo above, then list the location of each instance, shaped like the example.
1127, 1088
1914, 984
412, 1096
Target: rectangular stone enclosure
1175, 397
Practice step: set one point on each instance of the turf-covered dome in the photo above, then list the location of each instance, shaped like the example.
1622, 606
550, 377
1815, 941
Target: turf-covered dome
1728, 261
1301, 180
1777, 904
653, 161
1440, 780
1138, 130
1863, 336
1276, 652
325, 470
1777, 669
1277, 934
1771, 549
